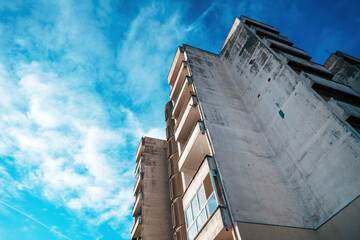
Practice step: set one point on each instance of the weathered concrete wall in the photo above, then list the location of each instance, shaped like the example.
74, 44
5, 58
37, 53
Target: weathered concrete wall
314, 149
156, 204
344, 72
255, 188
283, 156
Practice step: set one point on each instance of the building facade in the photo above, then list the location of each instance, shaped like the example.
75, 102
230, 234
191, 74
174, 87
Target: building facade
151, 209
263, 143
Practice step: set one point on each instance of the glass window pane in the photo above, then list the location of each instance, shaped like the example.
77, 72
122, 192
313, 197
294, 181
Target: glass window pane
201, 219
212, 204
189, 217
192, 232
202, 198
195, 206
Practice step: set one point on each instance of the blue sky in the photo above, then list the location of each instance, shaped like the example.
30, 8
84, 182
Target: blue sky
82, 81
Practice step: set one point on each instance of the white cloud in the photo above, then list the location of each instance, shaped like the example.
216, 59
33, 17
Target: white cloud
65, 150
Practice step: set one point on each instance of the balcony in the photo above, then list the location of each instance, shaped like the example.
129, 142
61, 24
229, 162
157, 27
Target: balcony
180, 233
171, 146
136, 230
182, 74
188, 117
139, 175
140, 149
205, 212
217, 227
178, 59
195, 149
173, 164
177, 213
138, 204
176, 189
185, 93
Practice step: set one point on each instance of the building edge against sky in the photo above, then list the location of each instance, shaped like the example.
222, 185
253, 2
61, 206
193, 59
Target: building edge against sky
262, 143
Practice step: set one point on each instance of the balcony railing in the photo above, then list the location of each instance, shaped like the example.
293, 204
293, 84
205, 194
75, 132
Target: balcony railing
182, 74
186, 120
140, 149
218, 224
139, 175
172, 165
180, 233
195, 149
177, 213
139, 166
175, 66
138, 204
185, 93
176, 188
136, 230
203, 203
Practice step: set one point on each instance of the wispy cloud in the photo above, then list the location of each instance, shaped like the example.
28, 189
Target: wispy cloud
69, 149
196, 25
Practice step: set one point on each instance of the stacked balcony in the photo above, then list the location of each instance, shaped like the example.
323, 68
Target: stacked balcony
176, 189
138, 204
180, 233
187, 119
138, 193
179, 58
139, 175
136, 230
189, 131
193, 150
193, 165
173, 164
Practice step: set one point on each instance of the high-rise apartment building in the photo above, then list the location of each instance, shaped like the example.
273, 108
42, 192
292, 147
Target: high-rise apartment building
263, 143
151, 209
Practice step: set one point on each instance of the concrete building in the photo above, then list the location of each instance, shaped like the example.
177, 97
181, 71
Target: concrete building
151, 209
263, 143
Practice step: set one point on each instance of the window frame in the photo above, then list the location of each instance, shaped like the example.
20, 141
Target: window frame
205, 207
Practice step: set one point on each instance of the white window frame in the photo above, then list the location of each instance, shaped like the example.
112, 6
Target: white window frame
207, 212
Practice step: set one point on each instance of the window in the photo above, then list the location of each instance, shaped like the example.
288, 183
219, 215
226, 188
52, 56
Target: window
198, 211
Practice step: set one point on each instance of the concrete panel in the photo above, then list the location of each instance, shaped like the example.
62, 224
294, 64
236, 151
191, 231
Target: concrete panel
244, 158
